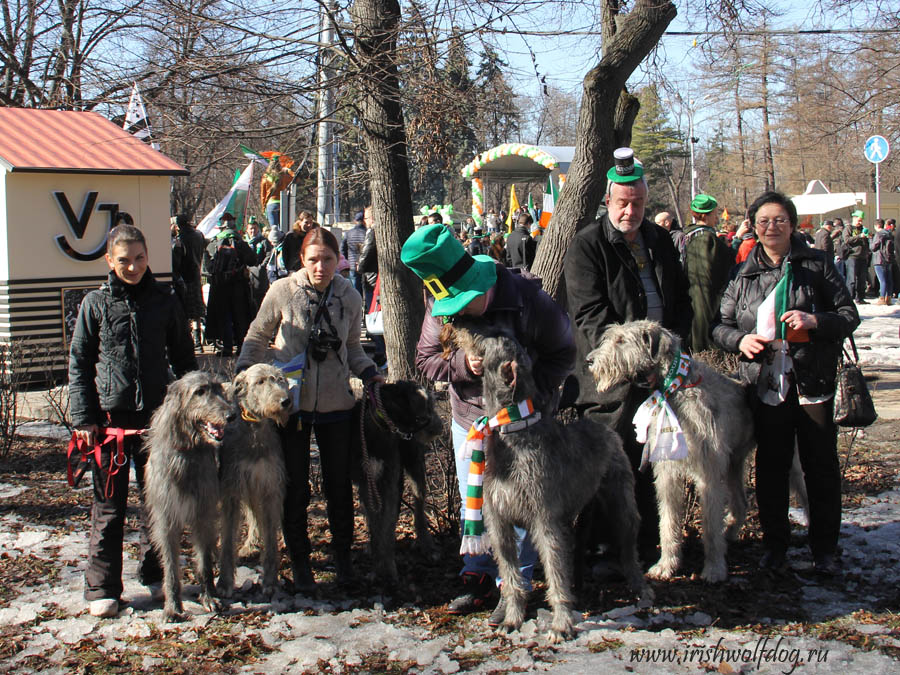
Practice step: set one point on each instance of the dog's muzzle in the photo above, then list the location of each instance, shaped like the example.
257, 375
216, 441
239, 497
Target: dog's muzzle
214, 430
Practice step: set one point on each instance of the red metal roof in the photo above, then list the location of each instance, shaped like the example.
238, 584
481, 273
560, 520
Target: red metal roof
69, 141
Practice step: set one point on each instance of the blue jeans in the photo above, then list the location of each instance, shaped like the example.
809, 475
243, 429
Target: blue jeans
273, 213
885, 280
484, 563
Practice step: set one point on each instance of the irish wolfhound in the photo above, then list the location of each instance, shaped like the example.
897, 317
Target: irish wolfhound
252, 469
399, 420
718, 428
182, 483
540, 477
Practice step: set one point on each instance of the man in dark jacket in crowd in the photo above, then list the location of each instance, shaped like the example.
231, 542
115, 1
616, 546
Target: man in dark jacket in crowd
192, 245
823, 239
857, 251
480, 286
227, 267
520, 247
623, 268
707, 262
351, 247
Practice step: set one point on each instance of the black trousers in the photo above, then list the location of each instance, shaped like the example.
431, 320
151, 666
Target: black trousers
103, 577
616, 409
813, 429
333, 439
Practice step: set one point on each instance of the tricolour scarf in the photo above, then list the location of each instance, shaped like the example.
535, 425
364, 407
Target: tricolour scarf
774, 380
668, 442
512, 418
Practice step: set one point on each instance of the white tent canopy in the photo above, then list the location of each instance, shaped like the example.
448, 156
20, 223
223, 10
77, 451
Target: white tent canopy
817, 200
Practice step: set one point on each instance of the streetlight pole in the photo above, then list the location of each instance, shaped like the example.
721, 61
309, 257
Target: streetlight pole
691, 141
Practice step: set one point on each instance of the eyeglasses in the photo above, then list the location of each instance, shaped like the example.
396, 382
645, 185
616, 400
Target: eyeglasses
778, 222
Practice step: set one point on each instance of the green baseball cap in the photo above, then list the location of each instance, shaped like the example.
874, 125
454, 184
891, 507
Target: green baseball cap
453, 277
858, 214
703, 204
627, 168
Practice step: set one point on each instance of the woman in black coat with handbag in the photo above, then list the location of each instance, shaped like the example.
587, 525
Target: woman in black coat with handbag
787, 312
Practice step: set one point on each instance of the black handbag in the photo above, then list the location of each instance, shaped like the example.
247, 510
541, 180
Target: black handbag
853, 406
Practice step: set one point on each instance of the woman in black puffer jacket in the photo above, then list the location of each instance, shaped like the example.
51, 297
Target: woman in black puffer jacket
810, 317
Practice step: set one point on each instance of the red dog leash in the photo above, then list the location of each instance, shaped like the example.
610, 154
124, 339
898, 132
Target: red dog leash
116, 460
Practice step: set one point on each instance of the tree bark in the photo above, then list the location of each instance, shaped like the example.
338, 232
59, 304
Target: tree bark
604, 123
381, 118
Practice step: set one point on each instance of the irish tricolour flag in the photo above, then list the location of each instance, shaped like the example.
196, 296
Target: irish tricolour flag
551, 196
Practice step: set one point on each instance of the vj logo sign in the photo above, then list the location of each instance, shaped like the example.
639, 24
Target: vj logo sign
78, 225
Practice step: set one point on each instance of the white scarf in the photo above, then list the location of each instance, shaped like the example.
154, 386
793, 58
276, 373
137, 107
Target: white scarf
668, 442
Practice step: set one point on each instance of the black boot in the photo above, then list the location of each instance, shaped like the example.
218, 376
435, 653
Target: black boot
343, 565
198, 339
304, 582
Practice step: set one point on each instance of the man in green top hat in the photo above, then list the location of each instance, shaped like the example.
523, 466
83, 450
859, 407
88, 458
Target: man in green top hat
707, 262
622, 268
459, 283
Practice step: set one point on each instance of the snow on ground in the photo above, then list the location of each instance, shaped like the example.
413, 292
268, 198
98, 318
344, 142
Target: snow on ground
877, 337
306, 633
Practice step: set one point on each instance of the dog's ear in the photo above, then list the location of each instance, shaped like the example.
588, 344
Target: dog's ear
239, 386
509, 370
650, 335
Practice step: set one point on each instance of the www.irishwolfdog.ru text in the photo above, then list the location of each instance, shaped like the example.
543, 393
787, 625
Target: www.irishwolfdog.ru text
766, 651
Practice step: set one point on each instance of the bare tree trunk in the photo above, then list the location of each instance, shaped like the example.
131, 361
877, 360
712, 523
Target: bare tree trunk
375, 24
740, 134
604, 123
767, 129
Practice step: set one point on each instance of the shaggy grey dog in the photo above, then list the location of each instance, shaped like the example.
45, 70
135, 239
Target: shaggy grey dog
540, 478
251, 471
718, 427
181, 487
399, 422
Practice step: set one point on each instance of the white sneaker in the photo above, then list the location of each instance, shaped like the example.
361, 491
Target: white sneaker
104, 608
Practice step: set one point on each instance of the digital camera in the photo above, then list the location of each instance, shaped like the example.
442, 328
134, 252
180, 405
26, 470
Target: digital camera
320, 341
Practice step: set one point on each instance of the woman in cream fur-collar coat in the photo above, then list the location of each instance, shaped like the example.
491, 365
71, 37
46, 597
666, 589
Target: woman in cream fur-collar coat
316, 312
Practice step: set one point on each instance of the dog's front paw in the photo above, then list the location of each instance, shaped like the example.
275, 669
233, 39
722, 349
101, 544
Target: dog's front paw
714, 573
664, 569
175, 613
555, 636
210, 603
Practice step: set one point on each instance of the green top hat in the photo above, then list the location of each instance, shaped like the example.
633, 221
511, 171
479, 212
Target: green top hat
450, 274
703, 204
627, 168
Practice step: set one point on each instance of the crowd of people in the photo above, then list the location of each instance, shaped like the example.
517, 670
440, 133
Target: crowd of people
782, 300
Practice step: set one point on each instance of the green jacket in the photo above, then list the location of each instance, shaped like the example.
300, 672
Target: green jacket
707, 261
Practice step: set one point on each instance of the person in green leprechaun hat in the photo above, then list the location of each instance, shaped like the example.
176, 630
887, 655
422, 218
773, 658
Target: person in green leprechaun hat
477, 286
707, 261
621, 268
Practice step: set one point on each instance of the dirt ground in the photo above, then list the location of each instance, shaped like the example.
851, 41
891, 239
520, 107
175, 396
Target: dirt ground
43, 625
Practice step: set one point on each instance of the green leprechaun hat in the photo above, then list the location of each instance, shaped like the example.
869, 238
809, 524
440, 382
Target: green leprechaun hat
627, 168
703, 204
451, 275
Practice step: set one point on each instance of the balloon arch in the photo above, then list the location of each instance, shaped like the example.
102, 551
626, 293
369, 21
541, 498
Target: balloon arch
515, 162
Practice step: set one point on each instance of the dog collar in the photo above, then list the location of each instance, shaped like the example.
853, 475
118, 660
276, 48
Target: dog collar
247, 417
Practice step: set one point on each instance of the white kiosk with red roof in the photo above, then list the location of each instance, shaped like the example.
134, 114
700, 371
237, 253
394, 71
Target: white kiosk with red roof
64, 177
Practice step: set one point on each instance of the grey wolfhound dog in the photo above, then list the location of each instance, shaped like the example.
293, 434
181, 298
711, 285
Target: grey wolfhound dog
540, 478
718, 428
182, 482
251, 470
398, 421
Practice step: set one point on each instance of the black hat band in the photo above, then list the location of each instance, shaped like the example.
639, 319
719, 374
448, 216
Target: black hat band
455, 273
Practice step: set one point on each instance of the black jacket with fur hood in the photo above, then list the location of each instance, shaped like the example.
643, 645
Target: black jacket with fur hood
124, 340
817, 289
